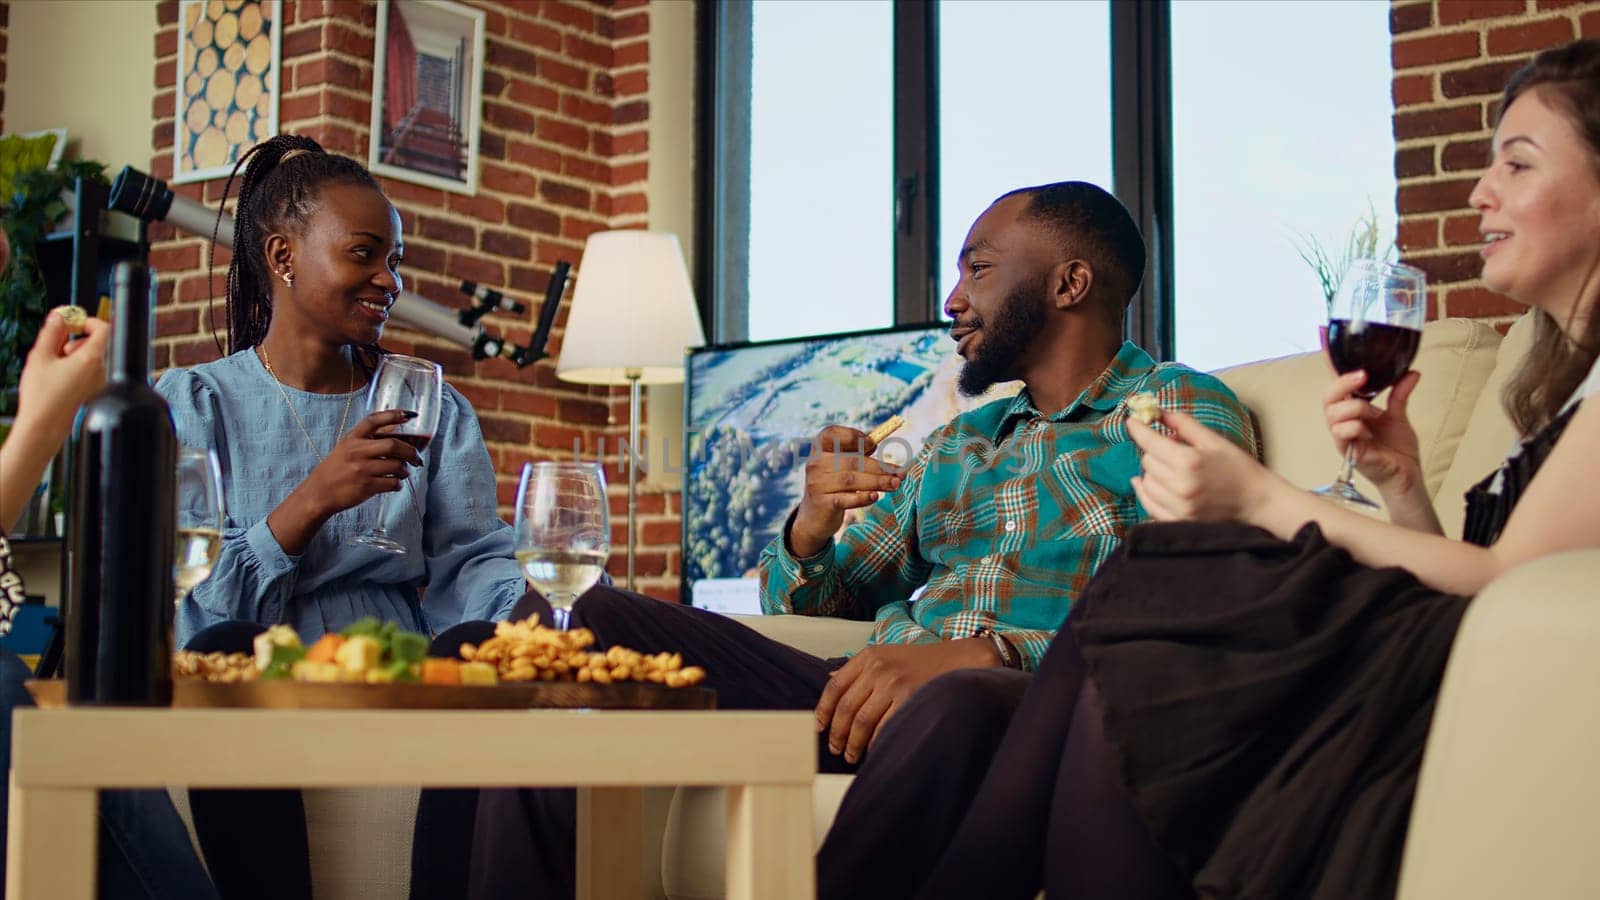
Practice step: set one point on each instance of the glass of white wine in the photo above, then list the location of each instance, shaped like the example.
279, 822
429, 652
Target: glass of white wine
199, 518
563, 530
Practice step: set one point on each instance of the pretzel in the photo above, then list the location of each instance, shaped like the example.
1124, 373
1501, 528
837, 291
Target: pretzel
889, 427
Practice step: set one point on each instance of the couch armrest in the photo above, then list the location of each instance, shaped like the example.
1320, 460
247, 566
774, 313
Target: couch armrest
1508, 800
816, 635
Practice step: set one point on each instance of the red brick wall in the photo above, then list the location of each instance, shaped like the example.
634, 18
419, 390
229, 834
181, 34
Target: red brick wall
564, 153
1451, 60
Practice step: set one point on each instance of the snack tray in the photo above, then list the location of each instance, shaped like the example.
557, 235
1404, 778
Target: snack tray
518, 695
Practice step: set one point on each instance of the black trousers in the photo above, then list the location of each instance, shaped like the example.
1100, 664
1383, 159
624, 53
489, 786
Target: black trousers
911, 789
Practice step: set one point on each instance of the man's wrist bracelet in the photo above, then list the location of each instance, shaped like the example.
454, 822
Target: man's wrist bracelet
1010, 657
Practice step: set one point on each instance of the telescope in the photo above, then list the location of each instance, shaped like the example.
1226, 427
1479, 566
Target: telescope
151, 200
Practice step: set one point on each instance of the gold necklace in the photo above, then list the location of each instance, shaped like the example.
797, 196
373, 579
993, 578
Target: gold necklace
350, 392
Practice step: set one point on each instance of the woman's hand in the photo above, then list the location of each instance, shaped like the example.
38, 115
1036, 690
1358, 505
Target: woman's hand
1385, 443
58, 376
1197, 474
367, 462
61, 374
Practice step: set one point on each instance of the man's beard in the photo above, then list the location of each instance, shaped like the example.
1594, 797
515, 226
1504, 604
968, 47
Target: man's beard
1004, 340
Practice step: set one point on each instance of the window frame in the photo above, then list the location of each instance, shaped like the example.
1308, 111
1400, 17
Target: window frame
1141, 134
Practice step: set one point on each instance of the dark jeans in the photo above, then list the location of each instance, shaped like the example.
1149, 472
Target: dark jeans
144, 851
255, 841
942, 738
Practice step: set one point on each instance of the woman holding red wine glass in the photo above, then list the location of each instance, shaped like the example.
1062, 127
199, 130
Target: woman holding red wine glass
310, 420
1374, 327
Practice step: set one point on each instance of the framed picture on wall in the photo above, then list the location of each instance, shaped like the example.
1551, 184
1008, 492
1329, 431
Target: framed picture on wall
227, 83
427, 85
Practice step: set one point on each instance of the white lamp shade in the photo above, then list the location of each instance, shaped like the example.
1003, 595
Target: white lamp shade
633, 311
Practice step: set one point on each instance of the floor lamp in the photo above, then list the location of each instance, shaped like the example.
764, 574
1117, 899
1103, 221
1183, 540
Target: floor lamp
633, 315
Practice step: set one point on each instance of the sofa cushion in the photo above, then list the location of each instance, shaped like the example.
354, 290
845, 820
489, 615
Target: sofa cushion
820, 636
359, 839
1489, 435
1508, 802
1285, 395
693, 856
350, 858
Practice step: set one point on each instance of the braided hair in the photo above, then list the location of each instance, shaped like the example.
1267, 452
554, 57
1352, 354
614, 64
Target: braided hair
282, 177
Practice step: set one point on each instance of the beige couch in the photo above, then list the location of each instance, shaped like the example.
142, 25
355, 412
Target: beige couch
1509, 802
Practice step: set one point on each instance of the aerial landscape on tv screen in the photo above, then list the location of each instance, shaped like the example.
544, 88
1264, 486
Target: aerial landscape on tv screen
751, 408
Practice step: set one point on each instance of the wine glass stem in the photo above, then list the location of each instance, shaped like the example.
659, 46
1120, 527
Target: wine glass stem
1349, 470
383, 506
561, 610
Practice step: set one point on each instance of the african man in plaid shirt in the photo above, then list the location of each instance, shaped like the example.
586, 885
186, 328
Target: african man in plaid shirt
1000, 520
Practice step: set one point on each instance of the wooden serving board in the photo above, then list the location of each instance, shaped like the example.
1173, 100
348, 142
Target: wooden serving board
306, 695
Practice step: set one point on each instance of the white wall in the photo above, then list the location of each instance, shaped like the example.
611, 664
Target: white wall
671, 193
87, 66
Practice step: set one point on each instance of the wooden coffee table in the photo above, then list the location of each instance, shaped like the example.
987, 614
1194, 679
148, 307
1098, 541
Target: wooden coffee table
61, 758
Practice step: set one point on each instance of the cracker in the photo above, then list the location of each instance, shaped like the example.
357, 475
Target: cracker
1143, 406
887, 428
74, 317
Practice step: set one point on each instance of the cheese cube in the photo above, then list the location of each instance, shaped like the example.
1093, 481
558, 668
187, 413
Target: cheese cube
358, 654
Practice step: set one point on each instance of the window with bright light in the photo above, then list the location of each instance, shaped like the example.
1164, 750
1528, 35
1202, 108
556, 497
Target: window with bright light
821, 256
1024, 100
1279, 140
1281, 137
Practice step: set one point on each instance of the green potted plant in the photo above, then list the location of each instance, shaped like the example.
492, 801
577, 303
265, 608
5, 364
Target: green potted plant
33, 205
1330, 264
35, 200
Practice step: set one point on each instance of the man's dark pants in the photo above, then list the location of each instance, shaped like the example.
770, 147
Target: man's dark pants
908, 798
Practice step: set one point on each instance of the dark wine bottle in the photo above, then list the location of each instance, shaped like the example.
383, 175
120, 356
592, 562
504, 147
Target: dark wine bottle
119, 601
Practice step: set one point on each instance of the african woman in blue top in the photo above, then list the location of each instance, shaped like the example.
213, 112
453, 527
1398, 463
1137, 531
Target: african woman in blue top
313, 277
309, 292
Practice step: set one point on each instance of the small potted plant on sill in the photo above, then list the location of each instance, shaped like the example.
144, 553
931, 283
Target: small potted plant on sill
1363, 242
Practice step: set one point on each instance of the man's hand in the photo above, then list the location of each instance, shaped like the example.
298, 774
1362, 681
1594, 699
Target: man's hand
840, 475
866, 691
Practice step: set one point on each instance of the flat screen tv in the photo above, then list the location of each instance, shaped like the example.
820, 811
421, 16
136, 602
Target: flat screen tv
752, 409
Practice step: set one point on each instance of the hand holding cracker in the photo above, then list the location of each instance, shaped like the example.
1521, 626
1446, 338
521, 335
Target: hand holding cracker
61, 373
841, 475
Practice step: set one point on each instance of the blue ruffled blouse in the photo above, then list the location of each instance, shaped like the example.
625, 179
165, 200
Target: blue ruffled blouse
461, 551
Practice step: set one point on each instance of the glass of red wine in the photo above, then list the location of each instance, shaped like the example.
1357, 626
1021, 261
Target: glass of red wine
1374, 324
408, 383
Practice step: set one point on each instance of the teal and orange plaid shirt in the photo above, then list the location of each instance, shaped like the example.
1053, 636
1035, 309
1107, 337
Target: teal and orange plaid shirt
1001, 518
